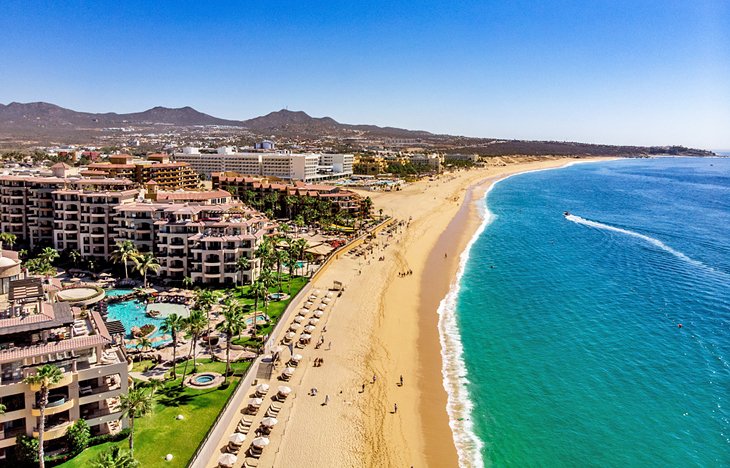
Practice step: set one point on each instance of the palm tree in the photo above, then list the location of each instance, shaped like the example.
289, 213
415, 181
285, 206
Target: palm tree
204, 301
144, 263
49, 255
123, 253
264, 252
232, 325
7, 238
74, 255
173, 324
134, 404
46, 376
114, 457
257, 290
187, 281
195, 324
144, 343
281, 256
243, 264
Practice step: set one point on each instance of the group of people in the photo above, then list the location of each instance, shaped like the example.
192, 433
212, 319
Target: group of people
405, 273
318, 362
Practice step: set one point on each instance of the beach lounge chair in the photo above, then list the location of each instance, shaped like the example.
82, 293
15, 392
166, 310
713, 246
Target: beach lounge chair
250, 463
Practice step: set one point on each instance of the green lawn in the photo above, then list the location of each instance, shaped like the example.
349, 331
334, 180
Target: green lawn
275, 308
160, 433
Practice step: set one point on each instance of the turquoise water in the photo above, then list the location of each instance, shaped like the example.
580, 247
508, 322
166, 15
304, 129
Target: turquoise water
132, 314
572, 350
117, 292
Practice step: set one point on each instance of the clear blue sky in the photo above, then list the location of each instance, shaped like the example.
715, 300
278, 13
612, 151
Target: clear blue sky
612, 71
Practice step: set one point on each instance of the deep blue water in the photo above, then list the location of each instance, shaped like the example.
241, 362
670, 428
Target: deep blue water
570, 326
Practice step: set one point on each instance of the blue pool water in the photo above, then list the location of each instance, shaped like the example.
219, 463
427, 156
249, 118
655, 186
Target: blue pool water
117, 292
572, 353
132, 314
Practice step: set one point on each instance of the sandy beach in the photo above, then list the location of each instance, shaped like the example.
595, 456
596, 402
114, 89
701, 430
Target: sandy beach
384, 326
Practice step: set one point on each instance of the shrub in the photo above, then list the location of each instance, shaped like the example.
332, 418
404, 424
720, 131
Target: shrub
26, 450
79, 436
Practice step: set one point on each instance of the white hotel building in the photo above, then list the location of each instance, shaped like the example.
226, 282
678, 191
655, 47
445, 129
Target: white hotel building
310, 167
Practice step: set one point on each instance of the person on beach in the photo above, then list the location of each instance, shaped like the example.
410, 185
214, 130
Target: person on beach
395, 408
401, 380
326, 400
363, 389
374, 379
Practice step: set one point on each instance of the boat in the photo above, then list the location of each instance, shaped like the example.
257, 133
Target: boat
566, 213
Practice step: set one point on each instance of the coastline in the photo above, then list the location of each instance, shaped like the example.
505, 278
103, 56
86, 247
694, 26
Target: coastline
387, 325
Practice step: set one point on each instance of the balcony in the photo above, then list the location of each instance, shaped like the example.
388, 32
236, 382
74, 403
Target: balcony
55, 406
53, 432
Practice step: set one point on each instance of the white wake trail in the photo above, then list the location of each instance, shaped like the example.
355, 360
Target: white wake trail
655, 242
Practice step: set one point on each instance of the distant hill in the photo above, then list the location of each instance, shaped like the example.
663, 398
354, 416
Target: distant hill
40, 121
34, 116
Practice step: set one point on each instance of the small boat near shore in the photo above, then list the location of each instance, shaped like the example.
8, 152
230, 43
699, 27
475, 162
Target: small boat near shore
566, 213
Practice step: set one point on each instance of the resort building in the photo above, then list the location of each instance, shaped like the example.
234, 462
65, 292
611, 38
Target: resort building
307, 167
203, 241
258, 188
157, 167
34, 332
370, 165
49, 211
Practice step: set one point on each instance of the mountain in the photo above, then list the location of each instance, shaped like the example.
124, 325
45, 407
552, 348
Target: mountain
34, 123
45, 117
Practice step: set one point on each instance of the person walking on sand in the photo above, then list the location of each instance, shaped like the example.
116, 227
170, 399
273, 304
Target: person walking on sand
363, 389
395, 408
326, 400
374, 379
401, 380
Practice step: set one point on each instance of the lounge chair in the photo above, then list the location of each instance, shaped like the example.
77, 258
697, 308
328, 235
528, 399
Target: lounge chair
250, 463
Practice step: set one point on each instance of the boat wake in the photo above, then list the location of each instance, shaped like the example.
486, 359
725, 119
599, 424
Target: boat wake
655, 242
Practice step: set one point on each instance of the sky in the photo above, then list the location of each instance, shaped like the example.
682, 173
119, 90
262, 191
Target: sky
602, 71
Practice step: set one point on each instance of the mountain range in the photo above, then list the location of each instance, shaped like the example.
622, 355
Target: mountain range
36, 122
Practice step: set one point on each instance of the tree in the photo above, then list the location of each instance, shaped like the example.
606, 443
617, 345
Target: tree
75, 256
7, 238
114, 457
45, 377
49, 255
144, 343
195, 324
232, 324
187, 282
173, 324
123, 253
243, 264
78, 436
281, 256
136, 403
144, 263
204, 301
26, 449
257, 290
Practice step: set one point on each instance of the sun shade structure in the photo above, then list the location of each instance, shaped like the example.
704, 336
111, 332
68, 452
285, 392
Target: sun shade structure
263, 388
284, 390
269, 422
227, 460
260, 442
237, 438
255, 402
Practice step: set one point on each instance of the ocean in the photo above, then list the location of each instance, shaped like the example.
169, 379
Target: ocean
601, 338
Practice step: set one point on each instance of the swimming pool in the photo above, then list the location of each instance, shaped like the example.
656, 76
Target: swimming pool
260, 319
117, 292
132, 314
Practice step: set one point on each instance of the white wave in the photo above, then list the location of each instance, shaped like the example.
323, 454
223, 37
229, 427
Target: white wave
655, 242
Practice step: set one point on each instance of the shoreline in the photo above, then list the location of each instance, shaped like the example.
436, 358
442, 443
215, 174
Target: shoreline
386, 325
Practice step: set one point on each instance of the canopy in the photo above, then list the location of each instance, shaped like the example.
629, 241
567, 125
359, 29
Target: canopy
269, 422
260, 442
299, 319
319, 313
309, 328
305, 336
296, 357
284, 390
227, 460
294, 326
289, 371
255, 402
237, 438
263, 388
322, 306
290, 335
313, 321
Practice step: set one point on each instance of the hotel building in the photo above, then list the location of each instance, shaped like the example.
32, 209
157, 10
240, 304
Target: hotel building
34, 332
157, 167
308, 167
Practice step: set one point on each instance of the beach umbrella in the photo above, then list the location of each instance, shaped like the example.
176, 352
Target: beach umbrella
284, 390
269, 422
313, 321
299, 319
278, 349
305, 337
255, 402
237, 438
326, 300
309, 328
294, 326
295, 358
290, 335
260, 442
322, 306
289, 371
308, 303
319, 313
227, 460
304, 311
263, 388
329, 294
